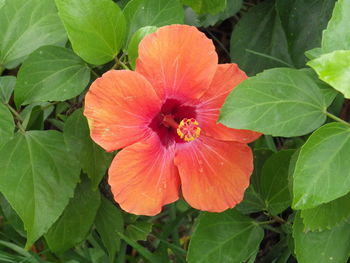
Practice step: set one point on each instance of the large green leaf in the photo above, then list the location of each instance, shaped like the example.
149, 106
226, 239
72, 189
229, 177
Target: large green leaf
7, 84
51, 74
304, 34
224, 237
133, 47
280, 102
327, 215
334, 69
74, 224
322, 172
96, 28
206, 6
92, 158
337, 34
141, 13
260, 30
109, 221
323, 247
7, 125
274, 182
37, 177
25, 26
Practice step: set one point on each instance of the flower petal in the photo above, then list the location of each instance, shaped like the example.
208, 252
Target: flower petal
178, 60
119, 107
226, 78
143, 177
214, 174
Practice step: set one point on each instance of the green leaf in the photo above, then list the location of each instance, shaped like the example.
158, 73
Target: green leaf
291, 169
92, 158
37, 177
280, 102
74, 224
252, 202
323, 247
328, 92
96, 28
224, 237
258, 41
145, 253
35, 114
322, 172
7, 125
26, 26
51, 74
313, 53
7, 84
138, 230
34, 120
141, 13
274, 182
12, 216
109, 221
260, 157
133, 47
327, 215
231, 9
304, 34
337, 34
206, 6
334, 69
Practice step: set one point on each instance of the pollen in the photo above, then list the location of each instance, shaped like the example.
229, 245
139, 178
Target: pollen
188, 129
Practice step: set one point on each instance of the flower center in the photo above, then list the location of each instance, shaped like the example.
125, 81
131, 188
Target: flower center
188, 129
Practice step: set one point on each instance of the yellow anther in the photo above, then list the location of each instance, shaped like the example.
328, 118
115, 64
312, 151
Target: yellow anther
188, 129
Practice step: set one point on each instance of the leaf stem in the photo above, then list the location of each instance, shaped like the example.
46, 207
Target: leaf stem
278, 219
330, 115
269, 57
218, 41
120, 62
142, 250
122, 252
49, 105
271, 228
2, 68
265, 222
124, 65
17, 116
94, 73
14, 112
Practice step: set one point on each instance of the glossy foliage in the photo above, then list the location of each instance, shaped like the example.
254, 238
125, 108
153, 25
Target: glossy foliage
55, 201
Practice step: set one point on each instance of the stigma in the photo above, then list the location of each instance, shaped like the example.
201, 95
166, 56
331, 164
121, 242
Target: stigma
188, 129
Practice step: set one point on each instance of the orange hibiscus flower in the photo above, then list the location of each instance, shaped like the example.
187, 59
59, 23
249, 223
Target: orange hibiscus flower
165, 115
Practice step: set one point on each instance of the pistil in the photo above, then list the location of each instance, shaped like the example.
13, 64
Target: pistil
169, 121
